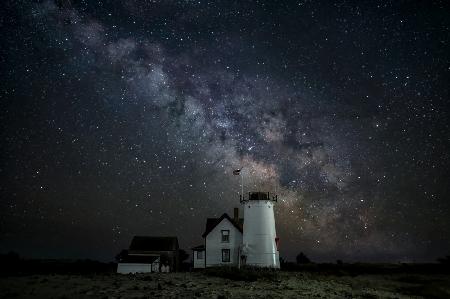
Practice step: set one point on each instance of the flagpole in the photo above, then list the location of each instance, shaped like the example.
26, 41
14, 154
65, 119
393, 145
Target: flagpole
242, 184
276, 185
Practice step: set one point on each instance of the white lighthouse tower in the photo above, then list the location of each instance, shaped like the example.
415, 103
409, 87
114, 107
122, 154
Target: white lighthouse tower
259, 240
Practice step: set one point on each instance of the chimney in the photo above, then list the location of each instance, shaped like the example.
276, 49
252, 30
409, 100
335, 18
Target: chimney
236, 215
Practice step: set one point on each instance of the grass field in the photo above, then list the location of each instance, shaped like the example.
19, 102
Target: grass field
214, 285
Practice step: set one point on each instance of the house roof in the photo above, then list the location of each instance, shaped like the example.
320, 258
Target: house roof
151, 243
211, 223
140, 259
199, 248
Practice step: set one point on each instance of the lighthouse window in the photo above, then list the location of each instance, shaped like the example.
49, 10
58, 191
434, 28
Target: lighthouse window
226, 255
225, 236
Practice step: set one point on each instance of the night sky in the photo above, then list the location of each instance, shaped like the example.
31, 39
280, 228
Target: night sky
123, 118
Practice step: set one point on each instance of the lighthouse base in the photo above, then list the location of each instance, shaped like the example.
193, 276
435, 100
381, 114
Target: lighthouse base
263, 260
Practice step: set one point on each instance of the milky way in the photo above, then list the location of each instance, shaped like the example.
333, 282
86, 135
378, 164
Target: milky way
128, 118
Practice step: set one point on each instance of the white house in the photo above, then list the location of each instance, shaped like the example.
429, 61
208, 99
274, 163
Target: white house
223, 238
235, 242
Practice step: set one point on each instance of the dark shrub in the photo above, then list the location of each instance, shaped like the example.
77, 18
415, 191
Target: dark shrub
302, 259
444, 260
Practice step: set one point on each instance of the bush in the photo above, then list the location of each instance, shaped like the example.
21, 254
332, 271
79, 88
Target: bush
302, 259
444, 260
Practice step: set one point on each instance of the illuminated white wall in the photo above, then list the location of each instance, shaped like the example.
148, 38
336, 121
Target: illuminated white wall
259, 234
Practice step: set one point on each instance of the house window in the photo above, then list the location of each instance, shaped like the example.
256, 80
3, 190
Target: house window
200, 255
225, 236
226, 255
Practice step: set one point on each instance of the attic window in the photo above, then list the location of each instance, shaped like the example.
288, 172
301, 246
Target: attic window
225, 236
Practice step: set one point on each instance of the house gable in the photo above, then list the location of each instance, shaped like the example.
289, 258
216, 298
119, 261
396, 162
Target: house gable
211, 223
225, 224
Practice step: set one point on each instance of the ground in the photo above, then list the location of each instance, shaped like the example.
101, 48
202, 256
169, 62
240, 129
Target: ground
191, 285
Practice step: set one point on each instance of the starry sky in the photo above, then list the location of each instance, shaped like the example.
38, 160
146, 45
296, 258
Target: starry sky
123, 118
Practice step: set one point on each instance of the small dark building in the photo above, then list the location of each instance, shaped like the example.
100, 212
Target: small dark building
151, 254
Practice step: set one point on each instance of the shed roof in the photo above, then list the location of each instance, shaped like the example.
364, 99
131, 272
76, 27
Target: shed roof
211, 223
199, 248
151, 243
140, 259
